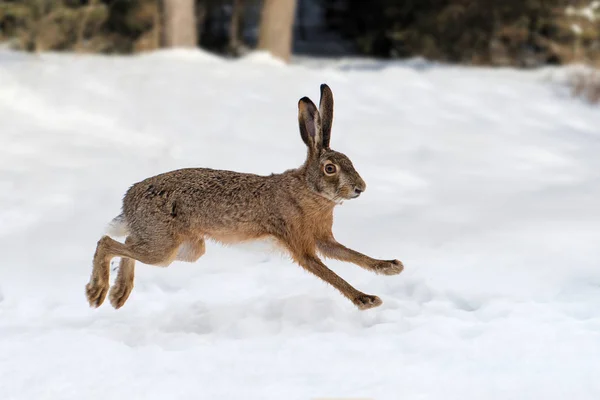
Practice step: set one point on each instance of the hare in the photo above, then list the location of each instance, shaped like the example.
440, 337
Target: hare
168, 217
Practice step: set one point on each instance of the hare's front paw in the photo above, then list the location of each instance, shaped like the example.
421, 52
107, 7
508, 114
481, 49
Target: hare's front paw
389, 267
366, 301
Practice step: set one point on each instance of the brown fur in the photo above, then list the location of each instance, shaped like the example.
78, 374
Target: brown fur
169, 216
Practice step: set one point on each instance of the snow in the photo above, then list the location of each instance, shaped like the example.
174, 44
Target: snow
588, 12
484, 182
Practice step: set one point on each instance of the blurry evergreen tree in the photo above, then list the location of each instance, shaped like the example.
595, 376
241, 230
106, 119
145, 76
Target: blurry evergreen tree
39, 25
110, 26
498, 32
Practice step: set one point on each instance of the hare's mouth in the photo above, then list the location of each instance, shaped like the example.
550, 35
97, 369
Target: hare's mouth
349, 196
356, 193
341, 199
344, 195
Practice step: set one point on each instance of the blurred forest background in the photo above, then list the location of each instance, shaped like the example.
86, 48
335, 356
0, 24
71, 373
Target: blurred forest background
521, 33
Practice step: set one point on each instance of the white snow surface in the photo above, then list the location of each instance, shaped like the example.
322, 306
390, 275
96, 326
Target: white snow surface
484, 182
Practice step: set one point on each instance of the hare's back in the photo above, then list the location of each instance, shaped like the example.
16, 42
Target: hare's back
190, 194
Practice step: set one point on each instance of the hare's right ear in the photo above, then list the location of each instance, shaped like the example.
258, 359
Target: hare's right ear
326, 112
310, 125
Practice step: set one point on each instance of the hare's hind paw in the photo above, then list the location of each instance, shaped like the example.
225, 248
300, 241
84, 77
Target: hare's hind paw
96, 292
366, 301
119, 294
389, 267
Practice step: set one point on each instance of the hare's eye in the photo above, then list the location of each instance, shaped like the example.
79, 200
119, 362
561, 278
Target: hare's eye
330, 169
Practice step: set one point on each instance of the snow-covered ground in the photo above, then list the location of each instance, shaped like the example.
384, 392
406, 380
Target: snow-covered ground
485, 183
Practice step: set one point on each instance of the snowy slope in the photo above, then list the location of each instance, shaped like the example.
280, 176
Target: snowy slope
485, 183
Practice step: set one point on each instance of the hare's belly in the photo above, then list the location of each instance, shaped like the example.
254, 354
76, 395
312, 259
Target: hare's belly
238, 235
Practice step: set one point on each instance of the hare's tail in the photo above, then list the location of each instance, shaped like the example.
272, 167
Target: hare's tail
118, 226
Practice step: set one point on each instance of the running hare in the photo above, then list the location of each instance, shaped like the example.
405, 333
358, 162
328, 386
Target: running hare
168, 217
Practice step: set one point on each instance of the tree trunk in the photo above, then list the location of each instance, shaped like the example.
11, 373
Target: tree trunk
157, 24
276, 25
234, 26
179, 26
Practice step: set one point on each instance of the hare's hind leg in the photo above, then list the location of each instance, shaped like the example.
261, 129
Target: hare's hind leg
161, 251
120, 291
190, 251
97, 288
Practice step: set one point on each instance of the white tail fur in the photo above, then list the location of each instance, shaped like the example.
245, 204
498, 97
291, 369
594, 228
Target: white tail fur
118, 226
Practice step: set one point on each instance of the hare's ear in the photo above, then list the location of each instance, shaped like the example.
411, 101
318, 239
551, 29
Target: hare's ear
310, 125
326, 112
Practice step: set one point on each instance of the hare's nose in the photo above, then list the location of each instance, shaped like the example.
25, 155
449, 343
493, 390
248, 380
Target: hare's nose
358, 190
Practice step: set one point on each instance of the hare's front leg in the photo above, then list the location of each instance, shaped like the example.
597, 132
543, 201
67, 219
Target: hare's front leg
314, 265
332, 249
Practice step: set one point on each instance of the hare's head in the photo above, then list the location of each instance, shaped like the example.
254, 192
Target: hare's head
328, 172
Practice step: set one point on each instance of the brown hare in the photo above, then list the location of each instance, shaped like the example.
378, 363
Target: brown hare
168, 217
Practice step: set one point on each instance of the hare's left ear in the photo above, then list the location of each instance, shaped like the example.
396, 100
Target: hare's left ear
326, 112
310, 125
